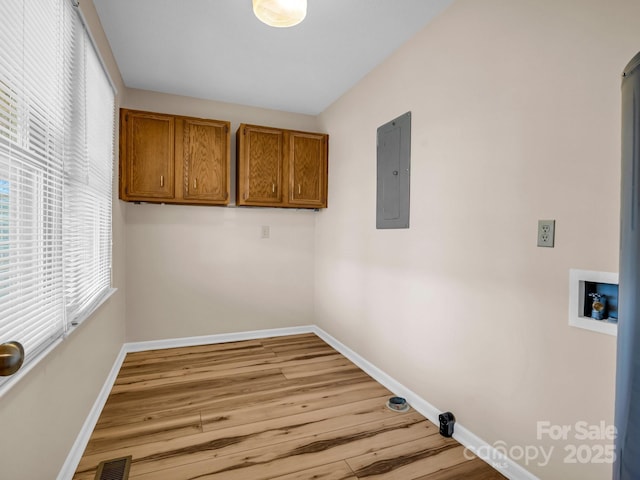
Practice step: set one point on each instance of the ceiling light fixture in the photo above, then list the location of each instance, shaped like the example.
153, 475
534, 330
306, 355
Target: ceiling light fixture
280, 13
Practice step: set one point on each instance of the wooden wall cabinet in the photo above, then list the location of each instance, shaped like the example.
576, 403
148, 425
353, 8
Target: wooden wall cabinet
281, 168
173, 159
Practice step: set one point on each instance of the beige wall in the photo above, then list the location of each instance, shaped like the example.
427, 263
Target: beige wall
205, 270
40, 417
516, 117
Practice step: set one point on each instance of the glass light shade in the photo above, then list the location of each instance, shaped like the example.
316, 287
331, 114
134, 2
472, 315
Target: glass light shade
280, 13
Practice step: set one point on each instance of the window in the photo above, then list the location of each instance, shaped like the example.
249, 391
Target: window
56, 148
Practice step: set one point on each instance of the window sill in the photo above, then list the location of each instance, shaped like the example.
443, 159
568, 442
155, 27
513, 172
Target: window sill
24, 371
94, 308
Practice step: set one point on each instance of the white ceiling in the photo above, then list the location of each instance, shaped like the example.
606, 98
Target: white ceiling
218, 50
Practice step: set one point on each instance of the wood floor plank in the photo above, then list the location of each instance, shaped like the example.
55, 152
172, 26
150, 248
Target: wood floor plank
408, 460
474, 469
329, 366
290, 408
136, 433
211, 370
118, 412
210, 349
288, 457
184, 400
188, 449
190, 395
89, 475
295, 403
331, 471
296, 343
168, 359
179, 357
301, 349
192, 362
288, 340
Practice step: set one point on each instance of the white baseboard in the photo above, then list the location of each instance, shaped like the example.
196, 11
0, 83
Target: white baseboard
491, 455
75, 454
482, 449
421, 405
487, 452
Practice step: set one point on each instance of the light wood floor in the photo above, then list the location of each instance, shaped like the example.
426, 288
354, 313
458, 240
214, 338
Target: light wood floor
290, 408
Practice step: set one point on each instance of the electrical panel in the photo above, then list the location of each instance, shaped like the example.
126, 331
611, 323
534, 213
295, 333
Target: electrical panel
393, 173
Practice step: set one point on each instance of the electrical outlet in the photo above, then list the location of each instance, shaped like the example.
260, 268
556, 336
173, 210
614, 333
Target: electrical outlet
265, 231
546, 233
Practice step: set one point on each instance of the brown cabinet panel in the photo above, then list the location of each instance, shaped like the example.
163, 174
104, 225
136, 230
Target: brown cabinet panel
260, 167
281, 168
307, 169
173, 159
205, 161
149, 155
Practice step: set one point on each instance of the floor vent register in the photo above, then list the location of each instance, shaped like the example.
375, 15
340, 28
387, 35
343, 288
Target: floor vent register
116, 469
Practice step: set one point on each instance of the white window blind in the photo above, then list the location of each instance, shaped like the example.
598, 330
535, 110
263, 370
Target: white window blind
56, 148
88, 176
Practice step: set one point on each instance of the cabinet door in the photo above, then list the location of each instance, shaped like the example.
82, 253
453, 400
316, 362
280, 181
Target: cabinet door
307, 169
148, 156
260, 166
205, 161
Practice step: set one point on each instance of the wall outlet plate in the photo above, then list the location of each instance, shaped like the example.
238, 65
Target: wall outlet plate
546, 233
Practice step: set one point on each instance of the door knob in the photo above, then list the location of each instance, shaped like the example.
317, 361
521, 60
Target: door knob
11, 358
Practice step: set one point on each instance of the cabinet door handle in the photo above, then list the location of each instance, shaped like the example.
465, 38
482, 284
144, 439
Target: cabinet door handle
162, 180
195, 183
299, 189
273, 188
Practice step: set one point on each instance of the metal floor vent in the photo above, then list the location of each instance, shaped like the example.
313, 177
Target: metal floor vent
116, 469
